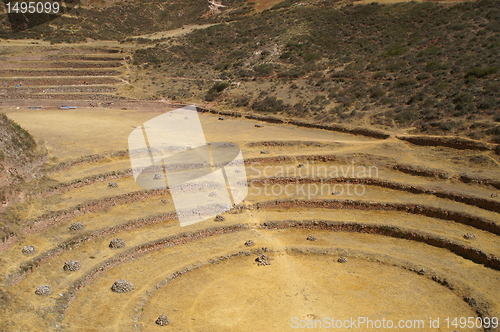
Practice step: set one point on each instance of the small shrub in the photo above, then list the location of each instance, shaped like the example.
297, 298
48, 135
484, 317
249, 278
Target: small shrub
264, 69
423, 76
241, 101
481, 72
406, 117
220, 86
379, 75
216, 90
405, 82
376, 92
268, 105
434, 65
395, 50
244, 73
463, 101
311, 57
396, 66
295, 72
344, 74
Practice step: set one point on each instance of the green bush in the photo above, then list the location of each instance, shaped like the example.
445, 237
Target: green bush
241, 101
396, 66
379, 75
264, 69
463, 101
216, 90
395, 50
405, 82
434, 65
268, 105
311, 57
376, 92
481, 72
344, 74
406, 117
220, 86
295, 72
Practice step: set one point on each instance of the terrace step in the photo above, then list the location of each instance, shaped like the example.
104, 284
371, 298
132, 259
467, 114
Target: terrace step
57, 64
57, 89
62, 96
58, 81
20, 73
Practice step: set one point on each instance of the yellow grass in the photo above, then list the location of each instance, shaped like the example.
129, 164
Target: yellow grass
236, 294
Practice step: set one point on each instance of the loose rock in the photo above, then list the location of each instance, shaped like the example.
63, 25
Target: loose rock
162, 320
265, 152
219, 218
76, 226
259, 125
301, 165
212, 194
117, 243
249, 243
158, 176
342, 260
28, 250
71, 266
494, 195
311, 238
263, 260
222, 118
43, 290
469, 236
122, 286
112, 184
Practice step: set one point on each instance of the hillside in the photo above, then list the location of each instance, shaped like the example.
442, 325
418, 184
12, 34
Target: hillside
419, 68
108, 20
20, 157
408, 67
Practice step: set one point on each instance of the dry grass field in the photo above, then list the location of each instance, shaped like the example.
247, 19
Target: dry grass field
351, 226
401, 264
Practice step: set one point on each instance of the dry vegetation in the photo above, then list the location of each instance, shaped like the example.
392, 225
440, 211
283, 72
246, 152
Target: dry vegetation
408, 67
420, 68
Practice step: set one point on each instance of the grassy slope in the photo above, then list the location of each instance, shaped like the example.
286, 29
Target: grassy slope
407, 67
113, 22
20, 155
428, 67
